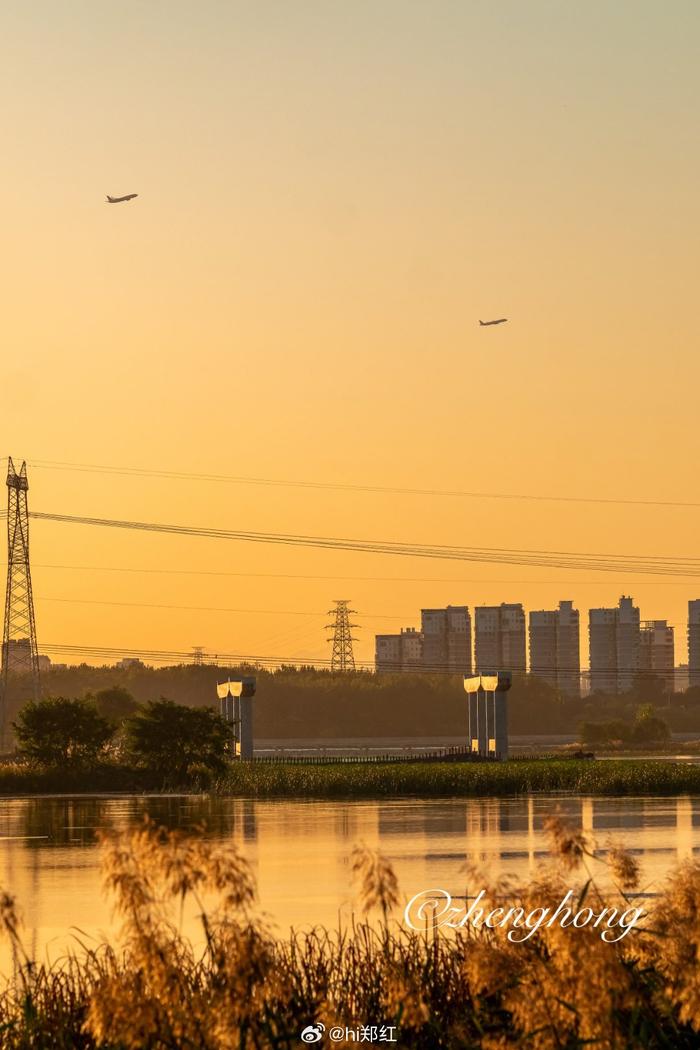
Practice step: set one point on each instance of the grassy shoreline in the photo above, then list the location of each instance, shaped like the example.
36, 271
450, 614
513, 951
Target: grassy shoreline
376, 780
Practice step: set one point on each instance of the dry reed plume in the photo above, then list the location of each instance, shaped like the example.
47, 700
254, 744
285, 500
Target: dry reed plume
561, 989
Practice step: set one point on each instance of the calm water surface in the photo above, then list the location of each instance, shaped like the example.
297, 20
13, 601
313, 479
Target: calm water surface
300, 850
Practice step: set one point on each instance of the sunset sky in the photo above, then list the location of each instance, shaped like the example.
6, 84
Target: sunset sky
330, 196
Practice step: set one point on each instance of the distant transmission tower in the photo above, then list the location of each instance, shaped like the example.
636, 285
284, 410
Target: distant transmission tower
342, 658
20, 655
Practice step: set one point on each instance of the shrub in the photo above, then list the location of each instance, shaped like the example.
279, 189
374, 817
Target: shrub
649, 728
62, 733
171, 739
602, 733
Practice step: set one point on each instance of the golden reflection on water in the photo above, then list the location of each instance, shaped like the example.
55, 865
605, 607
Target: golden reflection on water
300, 849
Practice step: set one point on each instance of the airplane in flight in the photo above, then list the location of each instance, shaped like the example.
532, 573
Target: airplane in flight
499, 320
118, 200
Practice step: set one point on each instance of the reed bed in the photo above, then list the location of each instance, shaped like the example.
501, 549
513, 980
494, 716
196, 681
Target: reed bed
426, 780
373, 779
563, 989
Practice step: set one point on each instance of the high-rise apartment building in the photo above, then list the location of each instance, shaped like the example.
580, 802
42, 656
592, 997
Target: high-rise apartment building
447, 639
656, 652
694, 642
614, 637
554, 647
398, 652
500, 638
543, 645
487, 638
568, 649
602, 642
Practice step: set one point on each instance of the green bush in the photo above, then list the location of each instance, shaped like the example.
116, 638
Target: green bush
602, 734
171, 739
62, 733
649, 728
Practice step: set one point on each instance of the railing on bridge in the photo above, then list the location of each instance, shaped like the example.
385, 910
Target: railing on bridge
446, 754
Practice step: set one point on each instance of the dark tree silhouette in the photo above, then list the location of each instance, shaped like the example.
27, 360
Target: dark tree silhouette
171, 739
62, 733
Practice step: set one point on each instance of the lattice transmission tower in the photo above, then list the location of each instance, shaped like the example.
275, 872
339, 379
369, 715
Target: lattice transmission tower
20, 656
342, 658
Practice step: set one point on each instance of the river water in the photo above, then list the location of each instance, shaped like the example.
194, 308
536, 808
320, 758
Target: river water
300, 850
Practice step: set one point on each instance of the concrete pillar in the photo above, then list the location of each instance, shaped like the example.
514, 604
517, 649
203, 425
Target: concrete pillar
487, 714
246, 708
587, 816
236, 707
684, 829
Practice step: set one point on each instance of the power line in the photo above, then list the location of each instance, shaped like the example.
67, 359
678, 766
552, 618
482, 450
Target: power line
207, 608
354, 579
669, 565
228, 609
176, 657
336, 486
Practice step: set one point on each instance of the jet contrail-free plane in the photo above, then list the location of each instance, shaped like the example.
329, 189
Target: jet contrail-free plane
499, 320
118, 200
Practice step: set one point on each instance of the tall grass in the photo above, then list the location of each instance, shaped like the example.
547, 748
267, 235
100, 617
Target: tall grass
374, 780
560, 990
391, 779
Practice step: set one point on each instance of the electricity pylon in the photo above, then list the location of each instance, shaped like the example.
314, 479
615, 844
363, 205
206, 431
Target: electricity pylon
20, 656
342, 658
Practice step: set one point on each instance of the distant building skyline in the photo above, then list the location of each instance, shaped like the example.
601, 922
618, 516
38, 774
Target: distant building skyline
444, 643
621, 645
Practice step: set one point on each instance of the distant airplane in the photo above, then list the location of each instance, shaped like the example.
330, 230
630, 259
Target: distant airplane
118, 200
499, 320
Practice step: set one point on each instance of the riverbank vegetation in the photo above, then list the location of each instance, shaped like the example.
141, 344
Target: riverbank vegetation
239, 985
460, 779
366, 779
70, 746
647, 730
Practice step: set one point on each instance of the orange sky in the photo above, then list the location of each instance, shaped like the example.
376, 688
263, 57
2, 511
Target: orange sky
330, 197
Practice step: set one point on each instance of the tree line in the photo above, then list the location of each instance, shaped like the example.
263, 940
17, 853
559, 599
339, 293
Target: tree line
313, 704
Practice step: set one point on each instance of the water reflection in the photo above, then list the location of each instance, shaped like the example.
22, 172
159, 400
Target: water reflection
300, 849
